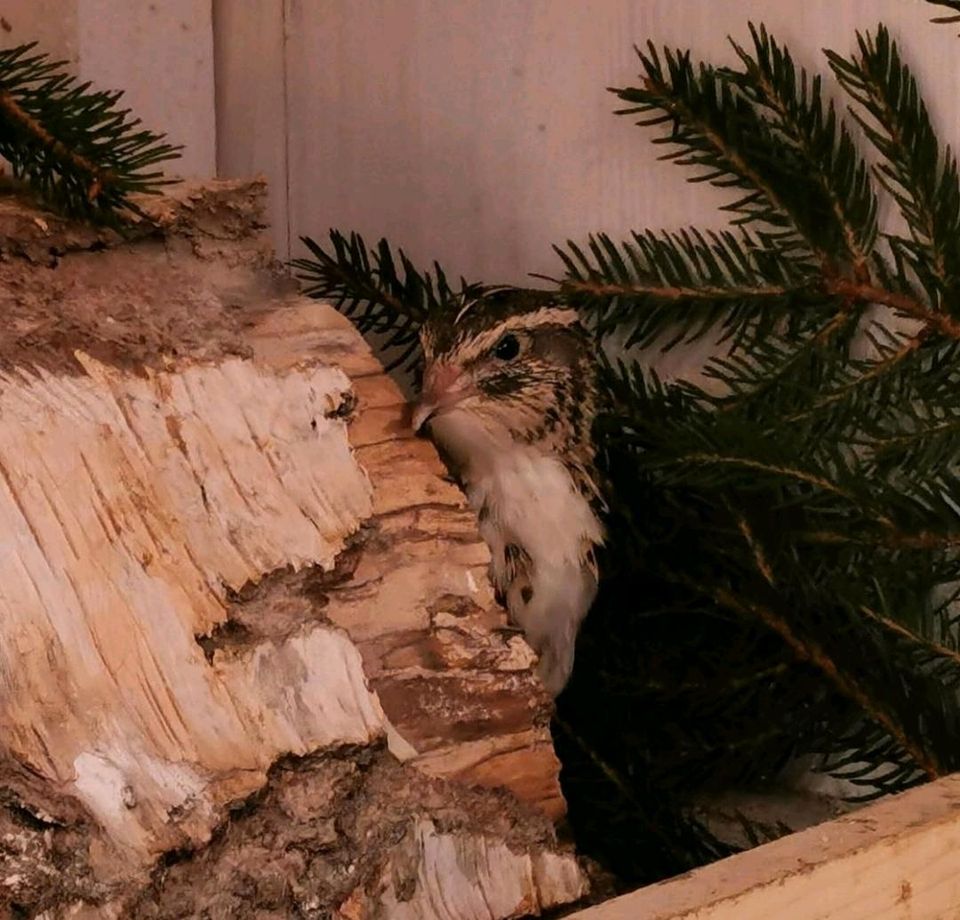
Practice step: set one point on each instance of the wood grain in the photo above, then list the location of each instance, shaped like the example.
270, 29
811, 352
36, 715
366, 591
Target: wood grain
128, 513
161, 56
236, 590
419, 602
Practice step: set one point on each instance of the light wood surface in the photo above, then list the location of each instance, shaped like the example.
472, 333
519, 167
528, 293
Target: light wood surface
479, 132
159, 53
251, 101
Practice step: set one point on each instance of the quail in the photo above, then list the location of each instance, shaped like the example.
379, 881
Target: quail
509, 397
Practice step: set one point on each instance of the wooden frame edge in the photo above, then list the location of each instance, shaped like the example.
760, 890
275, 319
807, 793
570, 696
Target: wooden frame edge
899, 858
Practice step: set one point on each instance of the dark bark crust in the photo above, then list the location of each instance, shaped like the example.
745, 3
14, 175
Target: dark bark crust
322, 828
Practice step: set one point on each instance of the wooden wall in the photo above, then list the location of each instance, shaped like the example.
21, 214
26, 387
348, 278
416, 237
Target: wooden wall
479, 132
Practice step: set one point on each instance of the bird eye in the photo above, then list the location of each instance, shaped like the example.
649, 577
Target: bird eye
507, 348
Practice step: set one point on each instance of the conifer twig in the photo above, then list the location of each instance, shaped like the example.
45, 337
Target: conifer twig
809, 127
918, 173
941, 651
813, 652
15, 113
902, 303
736, 161
838, 286
72, 145
639, 289
876, 371
950, 5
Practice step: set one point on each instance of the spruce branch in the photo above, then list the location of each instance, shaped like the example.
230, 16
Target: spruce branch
891, 539
714, 128
381, 292
771, 366
935, 651
906, 304
78, 151
792, 473
686, 283
810, 501
920, 176
890, 361
809, 128
816, 654
767, 132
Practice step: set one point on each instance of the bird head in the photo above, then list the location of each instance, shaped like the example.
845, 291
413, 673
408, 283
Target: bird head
509, 367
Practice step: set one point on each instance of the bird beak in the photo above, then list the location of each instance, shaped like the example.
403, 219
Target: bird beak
421, 412
443, 387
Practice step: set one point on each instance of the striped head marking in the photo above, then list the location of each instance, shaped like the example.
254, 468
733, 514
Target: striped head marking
518, 362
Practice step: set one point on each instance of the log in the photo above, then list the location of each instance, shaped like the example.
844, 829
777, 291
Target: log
250, 661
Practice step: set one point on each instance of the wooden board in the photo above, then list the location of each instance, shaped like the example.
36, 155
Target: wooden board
251, 97
896, 860
161, 56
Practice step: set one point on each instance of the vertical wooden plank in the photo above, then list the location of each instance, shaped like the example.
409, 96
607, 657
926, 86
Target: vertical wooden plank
432, 123
252, 125
161, 55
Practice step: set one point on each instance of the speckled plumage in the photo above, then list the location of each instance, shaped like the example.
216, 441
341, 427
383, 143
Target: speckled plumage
509, 397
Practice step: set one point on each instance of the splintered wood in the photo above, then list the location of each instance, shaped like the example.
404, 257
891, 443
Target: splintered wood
419, 603
231, 577
130, 506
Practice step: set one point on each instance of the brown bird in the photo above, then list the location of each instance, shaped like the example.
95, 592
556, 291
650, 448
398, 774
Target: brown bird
509, 397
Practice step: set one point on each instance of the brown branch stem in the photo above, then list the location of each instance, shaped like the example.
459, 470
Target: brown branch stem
878, 370
902, 303
923, 540
15, 112
635, 289
902, 631
759, 556
850, 290
817, 656
778, 470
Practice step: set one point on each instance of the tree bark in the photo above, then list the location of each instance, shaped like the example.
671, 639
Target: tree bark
250, 661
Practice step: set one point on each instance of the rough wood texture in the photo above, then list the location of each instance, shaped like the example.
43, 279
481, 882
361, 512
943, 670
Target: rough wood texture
246, 633
418, 601
898, 860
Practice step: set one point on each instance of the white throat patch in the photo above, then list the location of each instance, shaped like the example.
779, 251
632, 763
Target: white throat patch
528, 498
